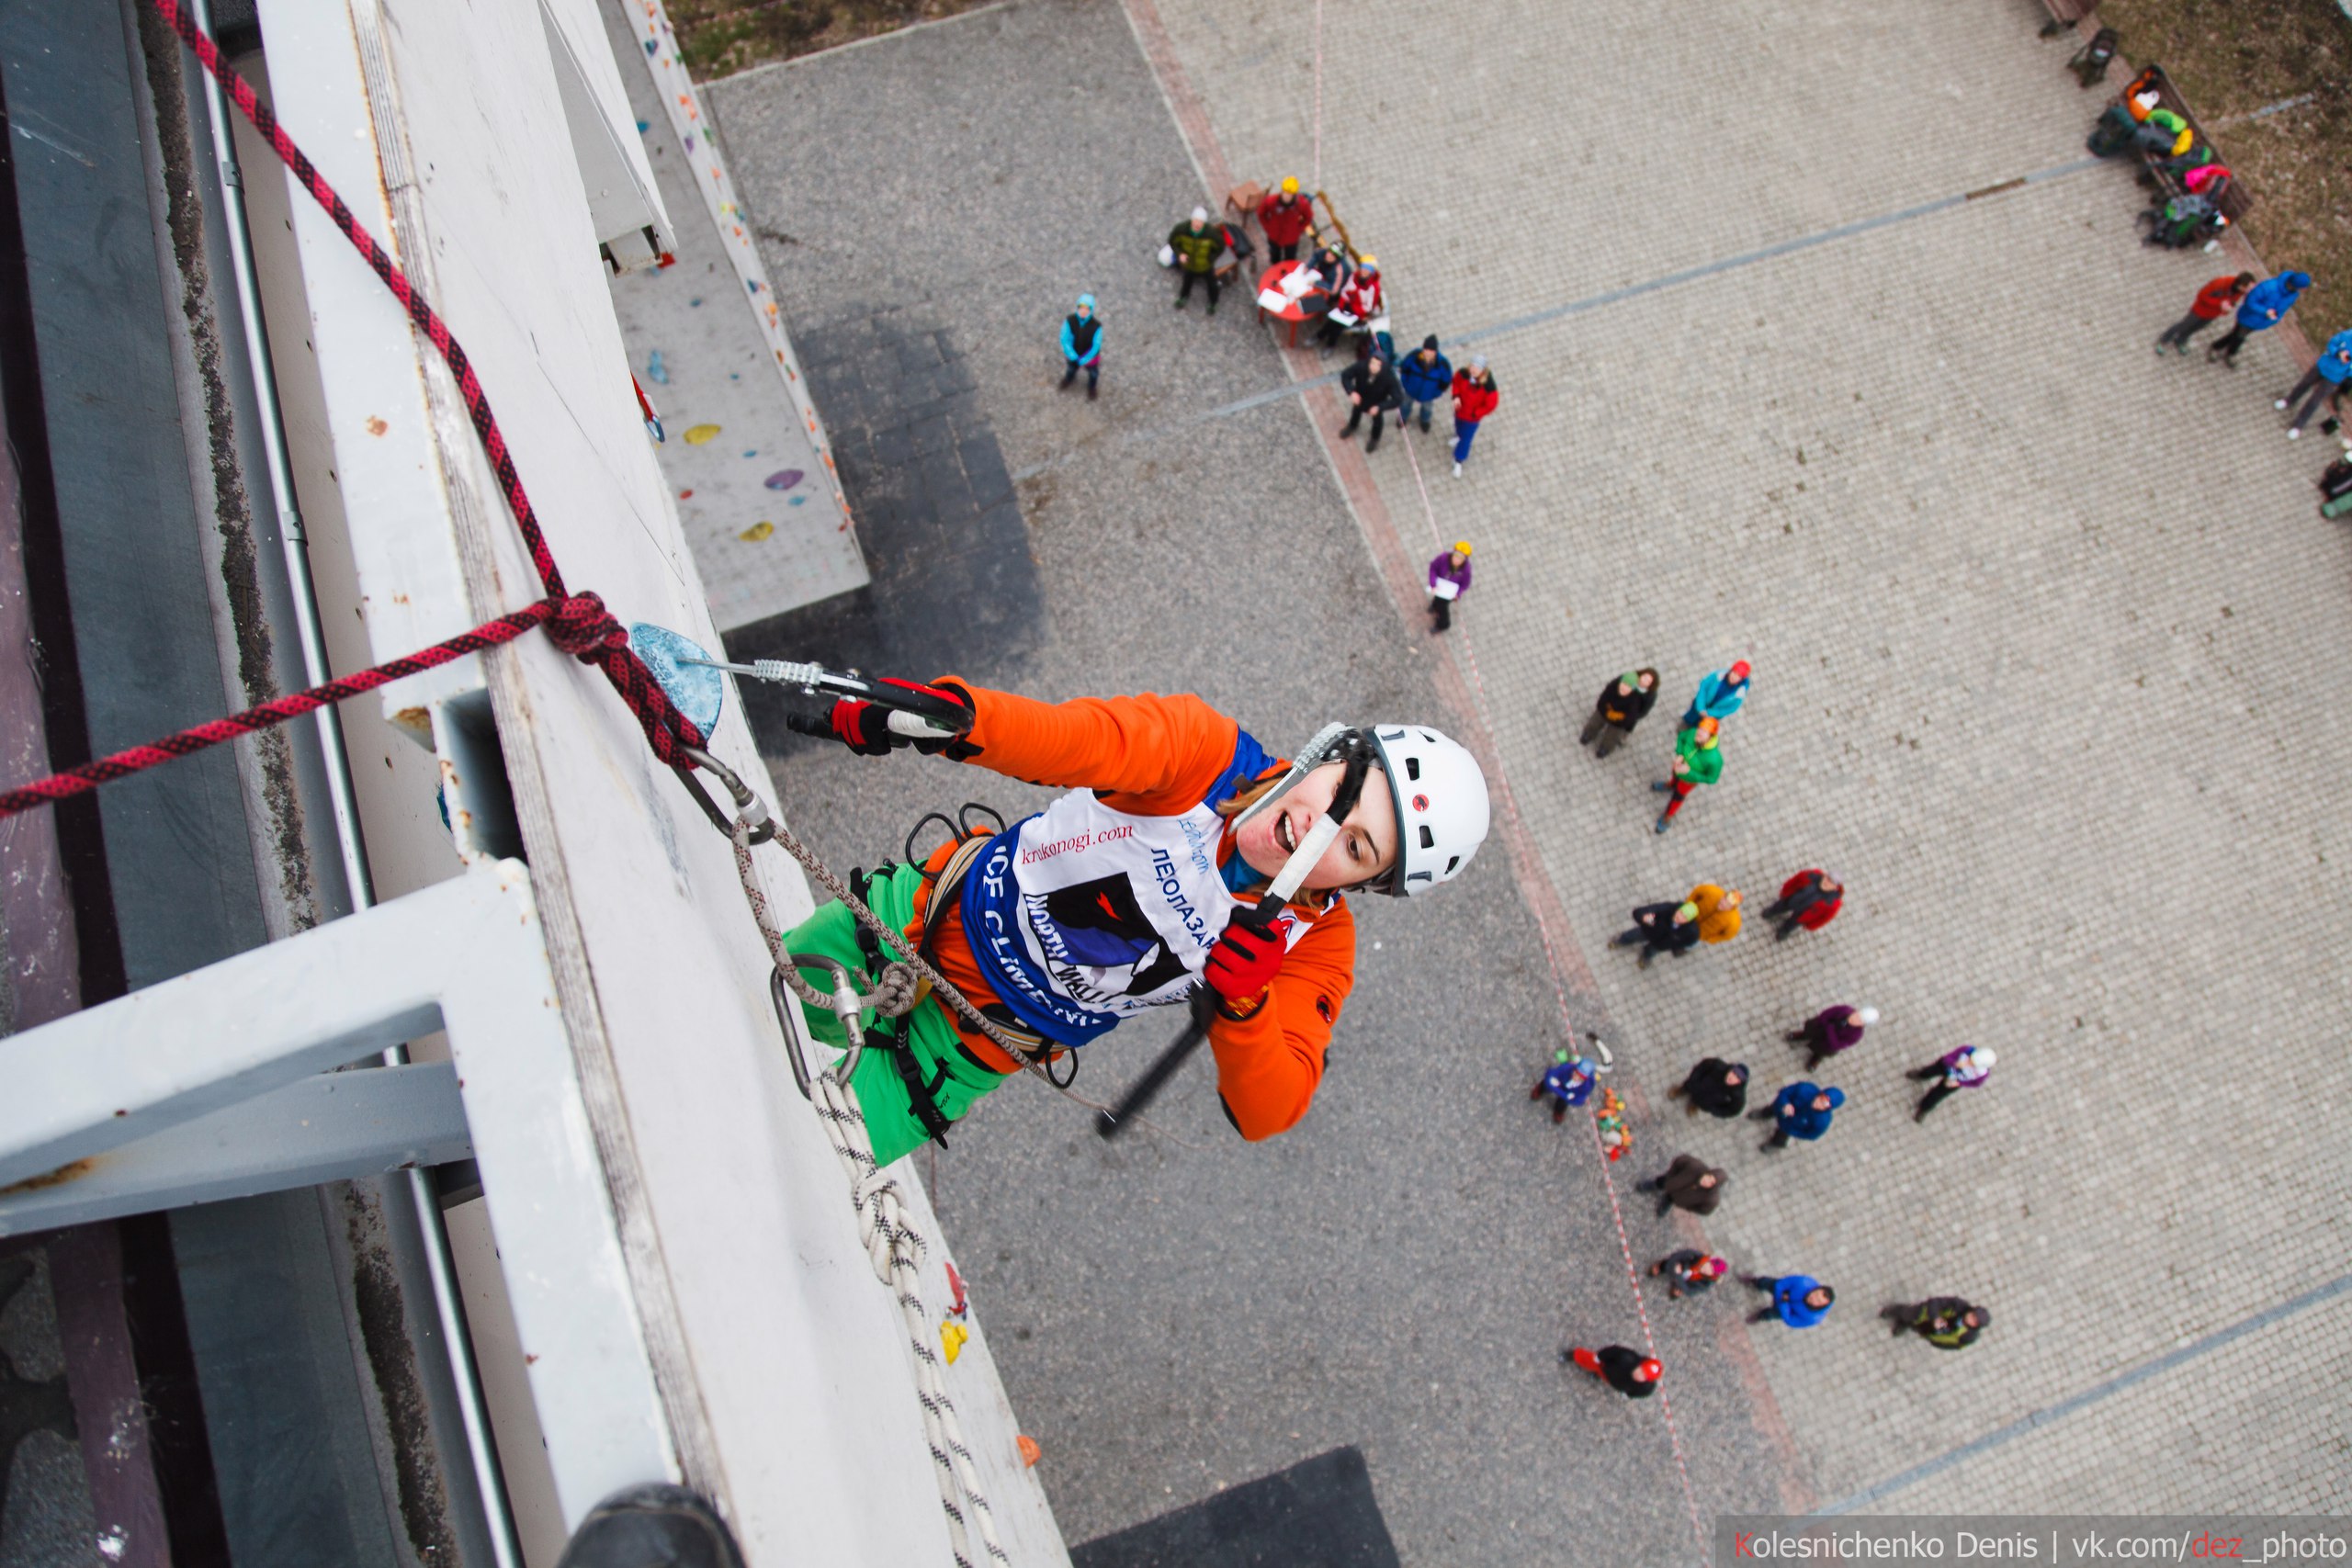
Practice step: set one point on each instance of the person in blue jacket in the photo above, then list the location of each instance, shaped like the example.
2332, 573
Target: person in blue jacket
1425, 375
1801, 1110
2262, 310
1721, 691
1568, 1081
1082, 345
2325, 382
1798, 1300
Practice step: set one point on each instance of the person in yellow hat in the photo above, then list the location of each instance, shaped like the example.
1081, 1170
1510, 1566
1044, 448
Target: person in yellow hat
1284, 215
1449, 580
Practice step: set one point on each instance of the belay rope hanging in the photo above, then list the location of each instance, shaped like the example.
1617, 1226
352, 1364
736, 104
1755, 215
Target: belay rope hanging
579, 625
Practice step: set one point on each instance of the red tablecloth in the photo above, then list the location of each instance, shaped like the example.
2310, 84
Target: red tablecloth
1307, 306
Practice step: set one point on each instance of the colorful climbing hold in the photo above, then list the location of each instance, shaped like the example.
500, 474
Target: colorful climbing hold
756, 532
1029, 1452
952, 1336
694, 302
796, 501
784, 479
701, 434
685, 495
753, 453
644, 125
655, 369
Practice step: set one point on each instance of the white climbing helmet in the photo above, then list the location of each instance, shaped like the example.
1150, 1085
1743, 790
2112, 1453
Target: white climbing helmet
1441, 806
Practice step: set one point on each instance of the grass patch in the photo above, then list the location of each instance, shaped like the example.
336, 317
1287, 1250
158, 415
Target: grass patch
721, 37
2231, 57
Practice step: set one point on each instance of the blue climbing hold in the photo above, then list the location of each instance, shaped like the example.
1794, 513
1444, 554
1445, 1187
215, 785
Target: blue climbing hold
655, 369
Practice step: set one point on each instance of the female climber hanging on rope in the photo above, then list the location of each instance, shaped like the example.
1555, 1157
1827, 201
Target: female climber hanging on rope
1143, 879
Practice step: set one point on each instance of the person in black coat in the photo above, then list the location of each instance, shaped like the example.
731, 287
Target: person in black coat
1660, 928
1623, 704
1716, 1087
1370, 387
1630, 1372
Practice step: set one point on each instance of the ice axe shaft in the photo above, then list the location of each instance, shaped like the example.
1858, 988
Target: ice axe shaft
1202, 1001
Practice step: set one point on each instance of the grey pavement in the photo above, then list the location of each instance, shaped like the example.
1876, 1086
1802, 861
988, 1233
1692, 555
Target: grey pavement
2042, 631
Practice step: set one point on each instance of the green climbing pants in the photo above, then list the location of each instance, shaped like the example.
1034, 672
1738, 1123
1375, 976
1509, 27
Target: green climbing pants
926, 1034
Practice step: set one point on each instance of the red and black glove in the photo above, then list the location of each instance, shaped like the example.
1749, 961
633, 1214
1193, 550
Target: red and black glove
864, 728
1244, 963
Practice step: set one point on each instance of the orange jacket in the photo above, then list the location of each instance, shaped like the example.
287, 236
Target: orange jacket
1715, 923
1155, 756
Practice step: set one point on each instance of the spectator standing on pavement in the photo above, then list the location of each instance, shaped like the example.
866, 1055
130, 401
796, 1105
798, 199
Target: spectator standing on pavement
1356, 304
1283, 215
1946, 1321
1196, 242
1568, 1080
2221, 294
1798, 1300
2265, 307
1801, 1110
1718, 911
1811, 900
1624, 703
2324, 381
1371, 387
1720, 695
1698, 759
1688, 1183
1630, 1372
1672, 929
1452, 569
1715, 1086
1690, 1271
1475, 397
1966, 1067
1832, 1029
1082, 345
1424, 376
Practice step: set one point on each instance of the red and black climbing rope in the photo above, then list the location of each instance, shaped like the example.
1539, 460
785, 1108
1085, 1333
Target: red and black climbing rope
578, 624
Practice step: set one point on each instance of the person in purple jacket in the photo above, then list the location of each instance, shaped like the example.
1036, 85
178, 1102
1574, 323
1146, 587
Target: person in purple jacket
1967, 1068
1830, 1031
1450, 568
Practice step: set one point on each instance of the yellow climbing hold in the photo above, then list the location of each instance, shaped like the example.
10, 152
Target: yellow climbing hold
953, 1334
700, 434
756, 532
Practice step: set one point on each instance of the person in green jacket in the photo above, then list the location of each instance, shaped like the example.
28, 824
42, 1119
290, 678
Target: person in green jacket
1196, 242
1698, 759
1946, 1321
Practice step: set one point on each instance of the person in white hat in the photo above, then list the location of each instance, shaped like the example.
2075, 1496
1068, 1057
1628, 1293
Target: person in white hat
1196, 242
1967, 1068
1830, 1031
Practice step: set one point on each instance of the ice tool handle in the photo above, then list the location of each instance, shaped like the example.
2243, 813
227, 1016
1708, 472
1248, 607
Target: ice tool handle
911, 714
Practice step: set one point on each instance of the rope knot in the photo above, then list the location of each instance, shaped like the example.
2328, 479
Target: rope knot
582, 627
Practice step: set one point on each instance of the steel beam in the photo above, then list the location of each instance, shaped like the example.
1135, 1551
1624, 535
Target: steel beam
466, 955
327, 1128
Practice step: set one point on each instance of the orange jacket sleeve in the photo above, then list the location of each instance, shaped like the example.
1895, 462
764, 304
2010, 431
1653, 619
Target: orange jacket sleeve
1269, 1064
1149, 755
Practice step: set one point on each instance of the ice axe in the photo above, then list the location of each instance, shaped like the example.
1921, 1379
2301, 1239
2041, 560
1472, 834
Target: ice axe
1357, 756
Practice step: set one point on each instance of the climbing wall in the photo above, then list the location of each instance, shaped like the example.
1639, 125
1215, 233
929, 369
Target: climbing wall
746, 456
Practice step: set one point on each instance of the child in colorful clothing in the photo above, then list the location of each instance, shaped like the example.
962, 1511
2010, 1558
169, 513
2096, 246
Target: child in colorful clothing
1568, 1081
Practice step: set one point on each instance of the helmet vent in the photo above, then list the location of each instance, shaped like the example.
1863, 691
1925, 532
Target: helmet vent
1428, 839
1452, 863
1413, 769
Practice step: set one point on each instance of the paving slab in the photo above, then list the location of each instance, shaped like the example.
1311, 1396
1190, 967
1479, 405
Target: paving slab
2045, 685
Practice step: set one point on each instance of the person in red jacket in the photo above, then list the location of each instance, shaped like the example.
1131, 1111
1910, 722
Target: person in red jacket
1357, 305
2212, 301
1125, 893
1284, 214
1475, 397
1811, 898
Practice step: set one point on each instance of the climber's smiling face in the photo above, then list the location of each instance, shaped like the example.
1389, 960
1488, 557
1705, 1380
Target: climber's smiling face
1366, 845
